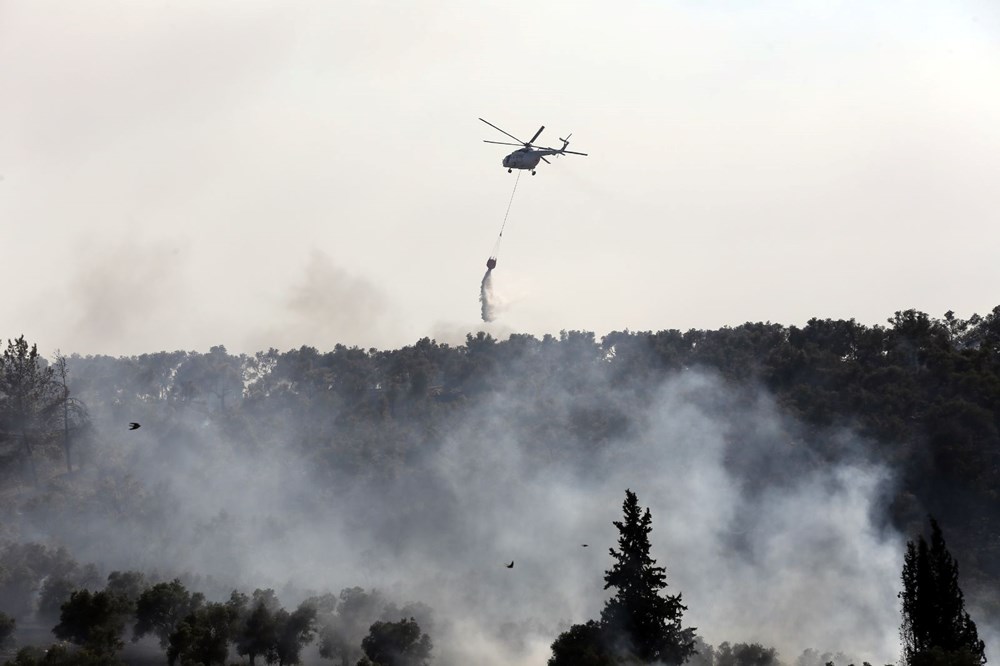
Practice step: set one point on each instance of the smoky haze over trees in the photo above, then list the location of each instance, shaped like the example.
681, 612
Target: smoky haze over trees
37, 413
784, 464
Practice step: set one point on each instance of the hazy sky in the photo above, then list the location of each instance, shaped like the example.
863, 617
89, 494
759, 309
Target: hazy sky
183, 174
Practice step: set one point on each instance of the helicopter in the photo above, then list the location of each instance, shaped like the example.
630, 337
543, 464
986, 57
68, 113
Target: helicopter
528, 156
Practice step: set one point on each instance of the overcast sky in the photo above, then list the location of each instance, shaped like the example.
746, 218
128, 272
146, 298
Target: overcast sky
253, 174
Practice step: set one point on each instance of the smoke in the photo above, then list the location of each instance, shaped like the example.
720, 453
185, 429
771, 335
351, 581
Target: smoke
328, 306
115, 290
487, 297
794, 564
766, 541
990, 635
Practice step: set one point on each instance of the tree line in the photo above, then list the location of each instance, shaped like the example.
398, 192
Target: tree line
354, 628
924, 392
640, 624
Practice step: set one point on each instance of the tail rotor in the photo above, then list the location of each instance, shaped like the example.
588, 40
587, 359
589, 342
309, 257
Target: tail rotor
565, 144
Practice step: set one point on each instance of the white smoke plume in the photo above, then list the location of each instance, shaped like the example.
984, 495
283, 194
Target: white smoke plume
328, 305
767, 542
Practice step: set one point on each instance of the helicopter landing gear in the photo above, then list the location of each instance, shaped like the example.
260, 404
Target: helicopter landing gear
532, 173
510, 171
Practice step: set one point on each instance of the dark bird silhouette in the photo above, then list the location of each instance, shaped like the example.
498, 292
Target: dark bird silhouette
584, 545
511, 565
133, 426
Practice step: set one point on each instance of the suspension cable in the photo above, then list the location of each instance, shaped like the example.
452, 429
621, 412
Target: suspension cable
516, 181
496, 245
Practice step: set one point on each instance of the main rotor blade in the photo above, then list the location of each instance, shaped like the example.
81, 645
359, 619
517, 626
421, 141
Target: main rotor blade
505, 132
536, 135
571, 152
503, 143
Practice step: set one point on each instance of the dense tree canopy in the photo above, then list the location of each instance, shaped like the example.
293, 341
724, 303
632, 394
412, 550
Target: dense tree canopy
7, 625
923, 393
192, 631
258, 628
396, 644
936, 628
32, 398
160, 608
94, 620
293, 631
582, 645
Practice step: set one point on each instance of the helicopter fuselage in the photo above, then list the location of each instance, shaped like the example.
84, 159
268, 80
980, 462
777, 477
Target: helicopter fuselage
525, 158
528, 158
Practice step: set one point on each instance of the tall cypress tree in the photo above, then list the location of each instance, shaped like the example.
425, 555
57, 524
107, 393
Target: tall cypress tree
935, 626
638, 621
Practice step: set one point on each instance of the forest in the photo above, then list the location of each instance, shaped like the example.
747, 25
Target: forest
363, 496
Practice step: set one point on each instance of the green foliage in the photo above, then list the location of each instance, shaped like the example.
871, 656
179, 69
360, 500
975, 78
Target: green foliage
397, 644
638, 625
324, 604
94, 620
160, 609
581, 645
293, 631
265, 629
54, 593
7, 627
745, 654
127, 587
638, 620
925, 392
27, 656
203, 636
342, 633
937, 656
258, 628
27, 568
30, 397
59, 655
935, 629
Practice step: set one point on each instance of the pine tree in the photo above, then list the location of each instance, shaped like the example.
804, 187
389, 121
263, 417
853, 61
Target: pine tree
935, 627
638, 622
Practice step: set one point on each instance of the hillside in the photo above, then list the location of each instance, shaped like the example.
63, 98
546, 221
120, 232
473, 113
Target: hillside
378, 461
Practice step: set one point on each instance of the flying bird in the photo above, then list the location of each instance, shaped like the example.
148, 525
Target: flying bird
584, 545
511, 565
134, 426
